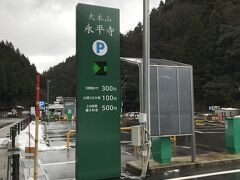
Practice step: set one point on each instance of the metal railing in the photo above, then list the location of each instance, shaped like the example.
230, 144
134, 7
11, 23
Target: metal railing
13, 157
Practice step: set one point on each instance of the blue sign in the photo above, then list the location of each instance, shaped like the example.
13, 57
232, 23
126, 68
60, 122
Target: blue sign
99, 47
42, 104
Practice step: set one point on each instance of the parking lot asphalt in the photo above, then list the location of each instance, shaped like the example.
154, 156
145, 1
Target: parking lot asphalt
58, 163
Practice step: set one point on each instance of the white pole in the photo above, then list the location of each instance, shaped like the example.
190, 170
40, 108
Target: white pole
146, 87
146, 62
48, 82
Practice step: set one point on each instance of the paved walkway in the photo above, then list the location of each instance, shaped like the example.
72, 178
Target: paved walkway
56, 162
211, 159
3, 159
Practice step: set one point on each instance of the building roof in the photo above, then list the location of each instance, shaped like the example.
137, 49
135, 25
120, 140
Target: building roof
55, 106
229, 109
153, 61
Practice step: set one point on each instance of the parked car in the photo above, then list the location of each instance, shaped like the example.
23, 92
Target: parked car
56, 114
134, 114
12, 113
127, 114
25, 112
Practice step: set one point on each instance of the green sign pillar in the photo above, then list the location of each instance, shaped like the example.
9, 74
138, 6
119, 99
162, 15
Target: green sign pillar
69, 114
98, 93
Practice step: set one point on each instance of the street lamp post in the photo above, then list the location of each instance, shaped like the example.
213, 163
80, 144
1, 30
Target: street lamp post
146, 62
146, 87
48, 82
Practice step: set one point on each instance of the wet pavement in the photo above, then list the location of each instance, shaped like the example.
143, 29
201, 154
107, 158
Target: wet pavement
3, 159
58, 163
6, 121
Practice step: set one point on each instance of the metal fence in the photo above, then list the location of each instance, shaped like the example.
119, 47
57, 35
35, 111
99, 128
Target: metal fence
3, 114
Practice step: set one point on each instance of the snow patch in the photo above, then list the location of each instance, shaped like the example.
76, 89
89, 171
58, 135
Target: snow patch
128, 176
22, 140
4, 141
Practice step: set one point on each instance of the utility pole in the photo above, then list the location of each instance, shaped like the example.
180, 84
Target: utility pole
146, 62
36, 127
146, 89
48, 82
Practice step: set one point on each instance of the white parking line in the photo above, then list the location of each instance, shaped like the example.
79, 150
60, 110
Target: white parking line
209, 132
206, 175
200, 132
65, 162
214, 132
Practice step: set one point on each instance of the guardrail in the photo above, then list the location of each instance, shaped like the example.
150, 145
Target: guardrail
13, 158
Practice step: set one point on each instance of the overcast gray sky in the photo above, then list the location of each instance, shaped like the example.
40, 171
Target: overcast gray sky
44, 30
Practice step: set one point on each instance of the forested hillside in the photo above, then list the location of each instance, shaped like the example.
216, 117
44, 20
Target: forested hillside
63, 80
203, 33
17, 77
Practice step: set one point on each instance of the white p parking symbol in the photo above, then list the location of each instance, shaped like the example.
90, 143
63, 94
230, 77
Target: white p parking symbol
99, 47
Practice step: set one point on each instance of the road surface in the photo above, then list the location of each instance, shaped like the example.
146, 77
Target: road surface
6, 124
